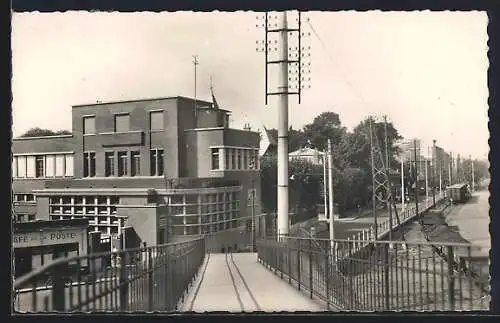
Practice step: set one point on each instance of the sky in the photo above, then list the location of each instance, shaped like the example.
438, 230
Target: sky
427, 71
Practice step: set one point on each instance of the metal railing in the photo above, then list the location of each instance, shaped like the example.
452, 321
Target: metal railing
384, 276
143, 279
361, 238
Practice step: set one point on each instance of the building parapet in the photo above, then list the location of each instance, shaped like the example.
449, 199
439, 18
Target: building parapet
42, 137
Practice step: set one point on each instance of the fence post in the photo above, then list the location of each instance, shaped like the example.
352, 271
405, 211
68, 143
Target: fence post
327, 281
451, 279
350, 273
123, 283
58, 287
289, 264
311, 287
386, 276
298, 266
150, 280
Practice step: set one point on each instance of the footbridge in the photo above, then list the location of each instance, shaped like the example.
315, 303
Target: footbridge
360, 273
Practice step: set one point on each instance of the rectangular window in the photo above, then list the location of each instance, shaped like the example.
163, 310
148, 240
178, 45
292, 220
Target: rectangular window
156, 120
240, 152
50, 166
59, 165
122, 163
68, 165
21, 166
245, 158
226, 158
20, 218
89, 164
122, 122
156, 162
136, 164
30, 198
30, 166
31, 217
14, 167
39, 166
215, 158
89, 125
233, 154
109, 164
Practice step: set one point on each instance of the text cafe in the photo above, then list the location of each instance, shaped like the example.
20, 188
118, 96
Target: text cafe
38, 243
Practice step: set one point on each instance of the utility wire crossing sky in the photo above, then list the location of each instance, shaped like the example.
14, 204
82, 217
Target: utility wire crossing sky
426, 70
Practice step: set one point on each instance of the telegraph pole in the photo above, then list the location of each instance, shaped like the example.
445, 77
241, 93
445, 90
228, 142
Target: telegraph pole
330, 197
402, 185
416, 175
426, 183
325, 154
284, 58
388, 169
374, 186
473, 183
195, 64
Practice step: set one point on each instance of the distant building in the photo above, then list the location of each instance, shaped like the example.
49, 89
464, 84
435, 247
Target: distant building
167, 168
311, 155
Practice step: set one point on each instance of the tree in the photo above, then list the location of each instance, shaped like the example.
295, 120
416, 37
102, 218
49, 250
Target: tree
38, 132
325, 126
296, 138
304, 184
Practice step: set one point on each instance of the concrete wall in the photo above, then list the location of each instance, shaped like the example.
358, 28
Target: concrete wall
62, 143
143, 220
42, 208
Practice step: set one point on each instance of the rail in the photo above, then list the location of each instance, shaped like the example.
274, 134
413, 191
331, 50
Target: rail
385, 276
383, 227
143, 279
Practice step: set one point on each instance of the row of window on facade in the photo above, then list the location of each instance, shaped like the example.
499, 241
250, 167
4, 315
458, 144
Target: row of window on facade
235, 159
122, 122
123, 159
24, 198
24, 217
36, 166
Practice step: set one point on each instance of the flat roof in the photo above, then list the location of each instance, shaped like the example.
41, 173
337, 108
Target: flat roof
140, 100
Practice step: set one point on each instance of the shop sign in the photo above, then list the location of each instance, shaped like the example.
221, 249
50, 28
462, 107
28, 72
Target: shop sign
31, 239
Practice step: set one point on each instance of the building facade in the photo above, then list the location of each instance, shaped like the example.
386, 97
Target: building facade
170, 168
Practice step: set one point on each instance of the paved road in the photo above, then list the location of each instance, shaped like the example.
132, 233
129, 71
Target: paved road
472, 219
244, 285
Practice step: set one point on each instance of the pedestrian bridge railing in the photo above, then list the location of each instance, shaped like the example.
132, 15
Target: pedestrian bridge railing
144, 279
385, 276
361, 238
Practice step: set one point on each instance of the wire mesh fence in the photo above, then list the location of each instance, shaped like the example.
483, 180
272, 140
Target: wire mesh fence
144, 279
383, 276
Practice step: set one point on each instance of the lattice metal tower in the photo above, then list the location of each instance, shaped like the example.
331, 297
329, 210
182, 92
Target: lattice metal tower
382, 196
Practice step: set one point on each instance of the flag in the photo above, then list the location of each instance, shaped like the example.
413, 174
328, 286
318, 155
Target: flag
214, 101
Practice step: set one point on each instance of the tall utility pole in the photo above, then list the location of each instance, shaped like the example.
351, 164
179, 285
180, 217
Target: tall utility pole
402, 184
283, 134
330, 197
416, 175
441, 177
325, 154
195, 64
473, 183
451, 177
374, 183
279, 25
426, 164
388, 168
